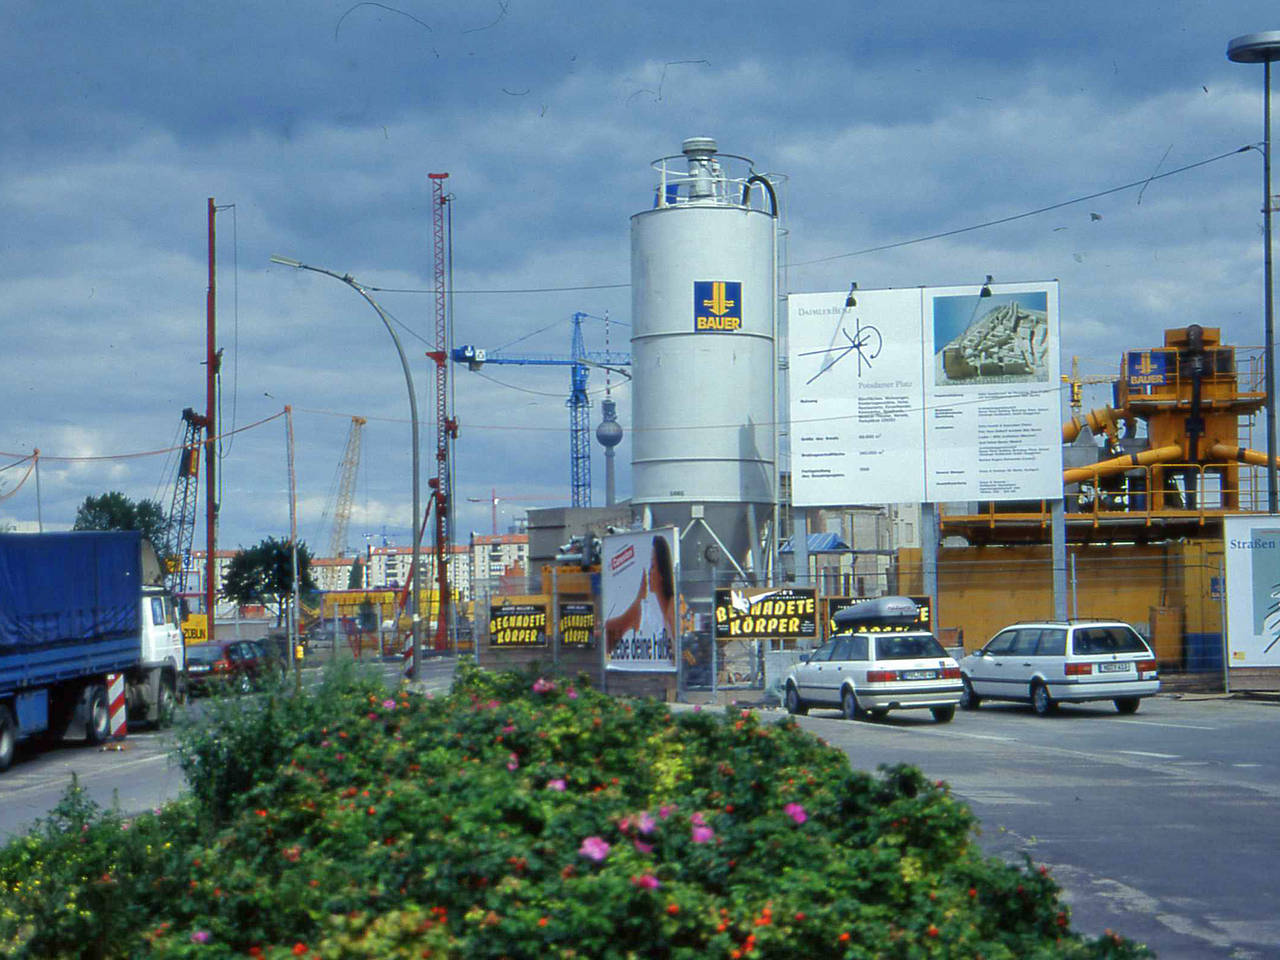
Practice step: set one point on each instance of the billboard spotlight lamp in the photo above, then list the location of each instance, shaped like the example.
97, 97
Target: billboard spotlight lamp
851, 300
986, 287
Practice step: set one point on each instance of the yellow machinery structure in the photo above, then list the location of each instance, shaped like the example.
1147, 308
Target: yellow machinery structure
1176, 482
1143, 508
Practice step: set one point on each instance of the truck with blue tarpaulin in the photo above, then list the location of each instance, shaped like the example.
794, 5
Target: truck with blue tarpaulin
75, 609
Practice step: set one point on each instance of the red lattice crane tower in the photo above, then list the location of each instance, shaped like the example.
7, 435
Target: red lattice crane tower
446, 426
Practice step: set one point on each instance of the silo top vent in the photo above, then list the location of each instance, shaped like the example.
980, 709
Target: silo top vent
699, 148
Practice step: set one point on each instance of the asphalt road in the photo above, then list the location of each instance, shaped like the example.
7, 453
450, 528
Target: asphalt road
1163, 826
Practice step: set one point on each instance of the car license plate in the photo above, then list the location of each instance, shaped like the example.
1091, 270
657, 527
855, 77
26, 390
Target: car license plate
919, 674
1114, 667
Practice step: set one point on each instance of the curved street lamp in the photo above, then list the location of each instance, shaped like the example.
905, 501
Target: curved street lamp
1264, 48
416, 569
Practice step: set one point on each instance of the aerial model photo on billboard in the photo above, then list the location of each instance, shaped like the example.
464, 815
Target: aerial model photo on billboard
998, 340
925, 394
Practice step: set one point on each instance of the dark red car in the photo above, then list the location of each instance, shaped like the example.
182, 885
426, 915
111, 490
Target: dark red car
223, 665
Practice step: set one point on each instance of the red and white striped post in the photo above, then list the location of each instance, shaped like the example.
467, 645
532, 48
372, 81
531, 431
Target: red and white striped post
116, 706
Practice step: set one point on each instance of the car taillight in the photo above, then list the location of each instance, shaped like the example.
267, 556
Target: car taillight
1146, 666
882, 676
1079, 669
221, 665
951, 673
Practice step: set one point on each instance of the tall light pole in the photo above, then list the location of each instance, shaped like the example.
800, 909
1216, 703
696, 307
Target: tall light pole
1264, 48
415, 524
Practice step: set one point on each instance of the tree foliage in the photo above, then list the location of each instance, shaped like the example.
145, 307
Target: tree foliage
115, 511
264, 574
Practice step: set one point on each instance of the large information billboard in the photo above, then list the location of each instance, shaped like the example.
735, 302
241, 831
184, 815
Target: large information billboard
931, 394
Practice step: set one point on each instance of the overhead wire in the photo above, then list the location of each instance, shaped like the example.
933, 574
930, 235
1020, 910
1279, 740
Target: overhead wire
887, 246
102, 458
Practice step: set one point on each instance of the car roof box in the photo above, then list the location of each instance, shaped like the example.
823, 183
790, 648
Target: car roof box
878, 612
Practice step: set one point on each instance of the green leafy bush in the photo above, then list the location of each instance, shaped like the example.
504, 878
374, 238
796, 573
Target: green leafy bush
522, 816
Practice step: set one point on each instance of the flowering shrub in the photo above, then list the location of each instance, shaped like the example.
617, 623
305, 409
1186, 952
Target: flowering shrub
526, 816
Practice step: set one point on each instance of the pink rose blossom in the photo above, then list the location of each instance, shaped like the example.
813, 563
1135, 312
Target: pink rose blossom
647, 881
642, 846
513, 763
509, 728
200, 936
542, 685
557, 785
388, 704
796, 812
666, 810
573, 694
644, 823
697, 819
703, 834
594, 848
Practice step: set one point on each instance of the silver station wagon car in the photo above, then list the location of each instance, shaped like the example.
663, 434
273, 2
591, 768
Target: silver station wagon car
1047, 663
875, 664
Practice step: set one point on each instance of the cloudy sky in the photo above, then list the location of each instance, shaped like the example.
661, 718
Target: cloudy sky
314, 124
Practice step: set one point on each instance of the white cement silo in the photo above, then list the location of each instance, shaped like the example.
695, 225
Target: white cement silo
703, 269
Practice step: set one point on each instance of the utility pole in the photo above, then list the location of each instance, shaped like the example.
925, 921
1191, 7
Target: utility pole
212, 360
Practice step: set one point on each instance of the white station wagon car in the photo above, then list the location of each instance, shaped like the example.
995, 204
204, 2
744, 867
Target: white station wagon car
866, 673
1047, 663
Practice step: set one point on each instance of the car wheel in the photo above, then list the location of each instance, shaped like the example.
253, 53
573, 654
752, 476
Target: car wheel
166, 704
943, 714
1041, 702
97, 724
849, 705
1127, 705
968, 699
795, 706
8, 737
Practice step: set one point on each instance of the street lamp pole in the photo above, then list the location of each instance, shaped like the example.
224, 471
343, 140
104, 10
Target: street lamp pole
415, 526
1264, 48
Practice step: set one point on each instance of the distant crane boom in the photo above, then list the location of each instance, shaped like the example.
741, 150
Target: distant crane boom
348, 469
182, 509
580, 361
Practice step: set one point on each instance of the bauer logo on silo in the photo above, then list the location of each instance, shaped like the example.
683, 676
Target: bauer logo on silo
717, 306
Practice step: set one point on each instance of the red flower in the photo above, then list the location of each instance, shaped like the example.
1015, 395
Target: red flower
299, 948
932, 931
673, 908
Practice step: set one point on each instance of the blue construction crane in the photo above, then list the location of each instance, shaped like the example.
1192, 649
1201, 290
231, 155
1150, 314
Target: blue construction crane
579, 361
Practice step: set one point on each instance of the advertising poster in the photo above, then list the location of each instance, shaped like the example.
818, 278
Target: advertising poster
1252, 561
931, 394
577, 624
517, 624
639, 574
833, 605
760, 613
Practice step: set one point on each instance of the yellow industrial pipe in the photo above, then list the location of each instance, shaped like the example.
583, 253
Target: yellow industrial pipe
1222, 451
1103, 468
1099, 421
